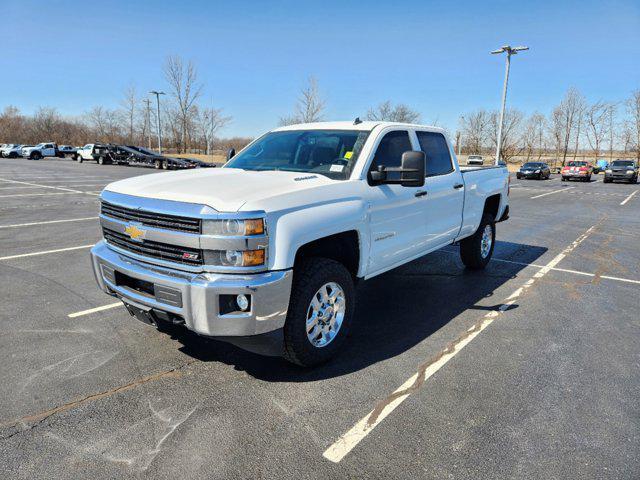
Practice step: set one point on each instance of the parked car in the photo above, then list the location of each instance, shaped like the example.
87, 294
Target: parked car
475, 160
626, 170
268, 247
41, 150
577, 169
98, 152
11, 150
539, 170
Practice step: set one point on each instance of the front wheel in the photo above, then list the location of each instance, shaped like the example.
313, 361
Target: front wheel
79, 159
320, 311
36, 156
476, 250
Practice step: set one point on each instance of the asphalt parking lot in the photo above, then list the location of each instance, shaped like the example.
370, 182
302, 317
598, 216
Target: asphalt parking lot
529, 369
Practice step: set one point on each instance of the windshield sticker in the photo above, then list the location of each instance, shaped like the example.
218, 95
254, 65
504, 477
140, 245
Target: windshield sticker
348, 155
336, 168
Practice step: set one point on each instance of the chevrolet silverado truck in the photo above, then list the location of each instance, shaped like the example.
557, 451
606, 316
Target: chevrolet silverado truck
270, 246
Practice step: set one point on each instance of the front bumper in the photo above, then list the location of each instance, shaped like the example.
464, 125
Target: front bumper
194, 297
619, 176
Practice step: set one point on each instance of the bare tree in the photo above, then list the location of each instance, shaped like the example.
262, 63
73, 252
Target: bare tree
386, 112
185, 89
533, 135
511, 132
475, 129
633, 108
597, 125
565, 120
210, 120
105, 123
130, 110
309, 107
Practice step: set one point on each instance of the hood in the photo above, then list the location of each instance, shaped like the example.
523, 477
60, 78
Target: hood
224, 189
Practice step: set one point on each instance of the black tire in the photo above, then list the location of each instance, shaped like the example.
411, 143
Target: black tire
165, 165
588, 179
102, 160
606, 180
35, 156
518, 177
79, 158
471, 251
158, 164
564, 179
309, 276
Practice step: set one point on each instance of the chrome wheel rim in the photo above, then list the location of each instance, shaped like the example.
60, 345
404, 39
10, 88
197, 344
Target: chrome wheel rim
486, 242
325, 314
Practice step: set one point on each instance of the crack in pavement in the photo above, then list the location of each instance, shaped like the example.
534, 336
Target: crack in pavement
39, 418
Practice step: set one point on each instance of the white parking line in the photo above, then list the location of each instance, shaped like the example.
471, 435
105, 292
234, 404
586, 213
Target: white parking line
40, 194
45, 252
628, 198
341, 447
47, 186
97, 309
554, 191
48, 222
576, 272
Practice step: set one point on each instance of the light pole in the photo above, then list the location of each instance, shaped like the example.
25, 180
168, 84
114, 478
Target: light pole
509, 51
157, 94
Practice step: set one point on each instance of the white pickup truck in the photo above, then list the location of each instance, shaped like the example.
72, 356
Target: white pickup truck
271, 245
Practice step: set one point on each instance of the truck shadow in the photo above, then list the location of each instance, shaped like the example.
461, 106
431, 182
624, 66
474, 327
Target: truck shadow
395, 312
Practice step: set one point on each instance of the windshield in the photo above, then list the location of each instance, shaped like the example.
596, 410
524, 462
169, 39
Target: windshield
532, 165
332, 153
622, 163
577, 164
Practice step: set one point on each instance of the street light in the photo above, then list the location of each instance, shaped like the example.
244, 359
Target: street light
509, 51
157, 94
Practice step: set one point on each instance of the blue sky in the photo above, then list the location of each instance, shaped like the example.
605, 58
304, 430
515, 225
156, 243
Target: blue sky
253, 57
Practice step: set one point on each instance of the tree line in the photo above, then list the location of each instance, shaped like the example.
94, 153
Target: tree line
190, 124
574, 128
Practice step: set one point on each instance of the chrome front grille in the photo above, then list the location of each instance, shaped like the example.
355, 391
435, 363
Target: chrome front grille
148, 248
151, 219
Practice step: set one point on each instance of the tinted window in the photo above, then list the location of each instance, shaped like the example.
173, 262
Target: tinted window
622, 163
391, 148
435, 147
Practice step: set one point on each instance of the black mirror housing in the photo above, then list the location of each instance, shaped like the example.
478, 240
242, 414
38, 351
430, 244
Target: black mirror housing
413, 169
231, 153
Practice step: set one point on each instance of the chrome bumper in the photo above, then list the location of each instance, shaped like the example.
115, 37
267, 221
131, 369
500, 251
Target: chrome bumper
195, 296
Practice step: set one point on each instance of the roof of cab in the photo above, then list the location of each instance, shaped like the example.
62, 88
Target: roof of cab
365, 126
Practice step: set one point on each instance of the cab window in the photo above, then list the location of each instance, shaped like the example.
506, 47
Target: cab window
391, 148
436, 149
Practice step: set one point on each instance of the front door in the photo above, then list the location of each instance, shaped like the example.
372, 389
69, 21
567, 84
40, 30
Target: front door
397, 213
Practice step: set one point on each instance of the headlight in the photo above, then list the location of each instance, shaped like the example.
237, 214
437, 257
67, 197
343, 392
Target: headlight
236, 258
537, 171
608, 170
629, 172
233, 227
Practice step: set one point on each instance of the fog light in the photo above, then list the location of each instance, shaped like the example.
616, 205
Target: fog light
243, 302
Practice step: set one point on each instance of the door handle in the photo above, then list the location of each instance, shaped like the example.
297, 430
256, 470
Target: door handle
421, 193
458, 185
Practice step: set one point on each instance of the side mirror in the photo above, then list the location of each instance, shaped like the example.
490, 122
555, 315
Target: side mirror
413, 169
231, 153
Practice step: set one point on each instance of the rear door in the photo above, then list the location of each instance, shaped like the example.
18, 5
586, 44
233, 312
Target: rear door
397, 213
445, 190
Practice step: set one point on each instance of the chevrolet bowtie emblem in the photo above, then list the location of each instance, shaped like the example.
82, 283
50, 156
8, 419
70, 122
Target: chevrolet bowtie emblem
135, 233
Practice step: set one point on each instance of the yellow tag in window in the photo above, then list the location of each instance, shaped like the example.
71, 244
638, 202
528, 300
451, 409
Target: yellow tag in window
348, 155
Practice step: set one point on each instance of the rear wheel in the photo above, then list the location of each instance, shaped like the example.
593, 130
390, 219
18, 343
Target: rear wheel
320, 311
36, 156
79, 158
476, 250
158, 165
165, 165
101, 160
